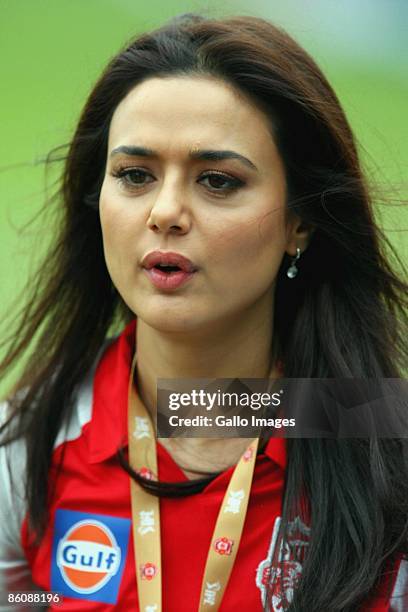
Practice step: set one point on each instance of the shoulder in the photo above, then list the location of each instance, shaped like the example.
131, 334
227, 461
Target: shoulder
399, 596
14, 570
12, 484
82, 401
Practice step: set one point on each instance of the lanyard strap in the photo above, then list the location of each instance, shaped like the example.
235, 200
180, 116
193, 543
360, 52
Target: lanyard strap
146, 515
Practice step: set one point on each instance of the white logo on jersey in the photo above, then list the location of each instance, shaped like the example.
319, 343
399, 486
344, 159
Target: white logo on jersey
141, 428
234, 501
210, 592
146, 522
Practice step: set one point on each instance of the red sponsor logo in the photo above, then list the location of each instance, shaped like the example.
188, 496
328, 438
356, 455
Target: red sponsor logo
249, 453
265, 575
284, 582
145, 472
148, 571
223, 546
278, 581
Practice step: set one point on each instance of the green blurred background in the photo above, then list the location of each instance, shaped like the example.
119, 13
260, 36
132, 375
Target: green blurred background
52, 51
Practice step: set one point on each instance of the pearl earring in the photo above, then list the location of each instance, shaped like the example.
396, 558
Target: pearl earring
292, 270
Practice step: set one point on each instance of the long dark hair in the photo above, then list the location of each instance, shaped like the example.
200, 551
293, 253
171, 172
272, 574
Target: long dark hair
343, 316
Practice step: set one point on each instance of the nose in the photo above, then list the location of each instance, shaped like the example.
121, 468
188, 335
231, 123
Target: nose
170, 212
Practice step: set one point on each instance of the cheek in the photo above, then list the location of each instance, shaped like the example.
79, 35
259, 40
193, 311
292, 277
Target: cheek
117, 223
256, 240
107, 214
109, 222
116, 241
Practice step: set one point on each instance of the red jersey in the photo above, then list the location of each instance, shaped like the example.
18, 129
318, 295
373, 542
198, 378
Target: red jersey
87, 552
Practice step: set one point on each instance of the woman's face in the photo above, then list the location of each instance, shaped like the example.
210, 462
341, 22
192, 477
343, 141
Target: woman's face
192, 169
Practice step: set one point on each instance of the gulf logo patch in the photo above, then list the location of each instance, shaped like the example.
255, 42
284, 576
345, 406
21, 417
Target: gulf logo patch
88, 555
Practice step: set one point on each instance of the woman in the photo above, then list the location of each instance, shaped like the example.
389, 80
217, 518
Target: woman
216, 147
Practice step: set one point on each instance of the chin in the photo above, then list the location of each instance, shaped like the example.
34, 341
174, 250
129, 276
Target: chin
170, 319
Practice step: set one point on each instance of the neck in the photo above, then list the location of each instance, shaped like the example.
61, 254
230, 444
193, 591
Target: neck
239, 350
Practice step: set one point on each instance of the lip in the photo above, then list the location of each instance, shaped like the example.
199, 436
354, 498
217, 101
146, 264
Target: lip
166, 281
169, 258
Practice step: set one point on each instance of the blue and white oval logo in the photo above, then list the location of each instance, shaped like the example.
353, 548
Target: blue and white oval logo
88, 557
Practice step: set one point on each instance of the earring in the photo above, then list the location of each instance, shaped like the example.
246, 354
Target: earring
292, 270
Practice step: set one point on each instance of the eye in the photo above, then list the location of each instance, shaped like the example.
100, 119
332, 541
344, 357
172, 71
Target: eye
220, 182
133, 177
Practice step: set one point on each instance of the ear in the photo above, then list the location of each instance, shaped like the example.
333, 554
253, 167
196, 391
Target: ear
298, 235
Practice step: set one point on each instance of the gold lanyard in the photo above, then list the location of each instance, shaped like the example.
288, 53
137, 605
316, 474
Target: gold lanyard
146, 516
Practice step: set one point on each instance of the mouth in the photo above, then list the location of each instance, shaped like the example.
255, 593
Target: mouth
168, 261
168, 270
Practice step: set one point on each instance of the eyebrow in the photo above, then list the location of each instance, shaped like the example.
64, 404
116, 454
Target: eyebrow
209, 154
